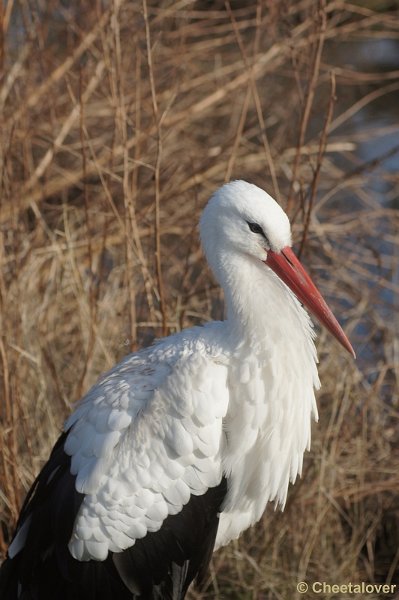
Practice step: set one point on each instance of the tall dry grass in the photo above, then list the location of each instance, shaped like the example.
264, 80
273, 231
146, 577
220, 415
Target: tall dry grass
118, 122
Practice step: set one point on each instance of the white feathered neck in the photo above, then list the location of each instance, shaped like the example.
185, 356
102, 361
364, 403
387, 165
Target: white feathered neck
272, 373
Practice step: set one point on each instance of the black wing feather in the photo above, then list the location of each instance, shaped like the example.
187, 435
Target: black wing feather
176, 554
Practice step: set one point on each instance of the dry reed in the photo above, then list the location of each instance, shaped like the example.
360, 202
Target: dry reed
118, 121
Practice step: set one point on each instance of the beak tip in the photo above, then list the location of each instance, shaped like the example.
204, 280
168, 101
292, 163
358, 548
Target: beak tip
346, 344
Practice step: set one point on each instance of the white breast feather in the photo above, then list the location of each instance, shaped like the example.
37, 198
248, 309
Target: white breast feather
268, 423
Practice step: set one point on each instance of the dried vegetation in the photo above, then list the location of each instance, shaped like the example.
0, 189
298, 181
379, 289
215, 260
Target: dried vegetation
118, 122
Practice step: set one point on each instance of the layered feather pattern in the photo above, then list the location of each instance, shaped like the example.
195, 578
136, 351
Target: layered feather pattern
145, 439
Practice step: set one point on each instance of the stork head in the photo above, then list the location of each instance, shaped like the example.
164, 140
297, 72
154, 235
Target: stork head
240, 218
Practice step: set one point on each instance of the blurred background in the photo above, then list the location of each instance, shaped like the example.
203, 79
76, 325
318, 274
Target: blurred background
118, 121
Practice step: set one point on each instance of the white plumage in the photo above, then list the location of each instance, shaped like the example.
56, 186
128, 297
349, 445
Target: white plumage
232, 399
170, 400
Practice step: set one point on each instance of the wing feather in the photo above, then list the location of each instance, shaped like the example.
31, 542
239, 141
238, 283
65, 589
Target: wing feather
145, 439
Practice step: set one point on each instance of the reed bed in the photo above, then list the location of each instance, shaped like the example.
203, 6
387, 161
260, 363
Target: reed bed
118, 122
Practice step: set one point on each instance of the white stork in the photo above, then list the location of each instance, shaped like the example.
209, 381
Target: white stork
178, 449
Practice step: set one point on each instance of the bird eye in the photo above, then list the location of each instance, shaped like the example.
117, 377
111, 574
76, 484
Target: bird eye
255, 228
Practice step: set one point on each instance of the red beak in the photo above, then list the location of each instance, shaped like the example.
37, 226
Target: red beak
286, 265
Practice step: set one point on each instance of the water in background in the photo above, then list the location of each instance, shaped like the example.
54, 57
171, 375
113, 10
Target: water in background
374, 128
